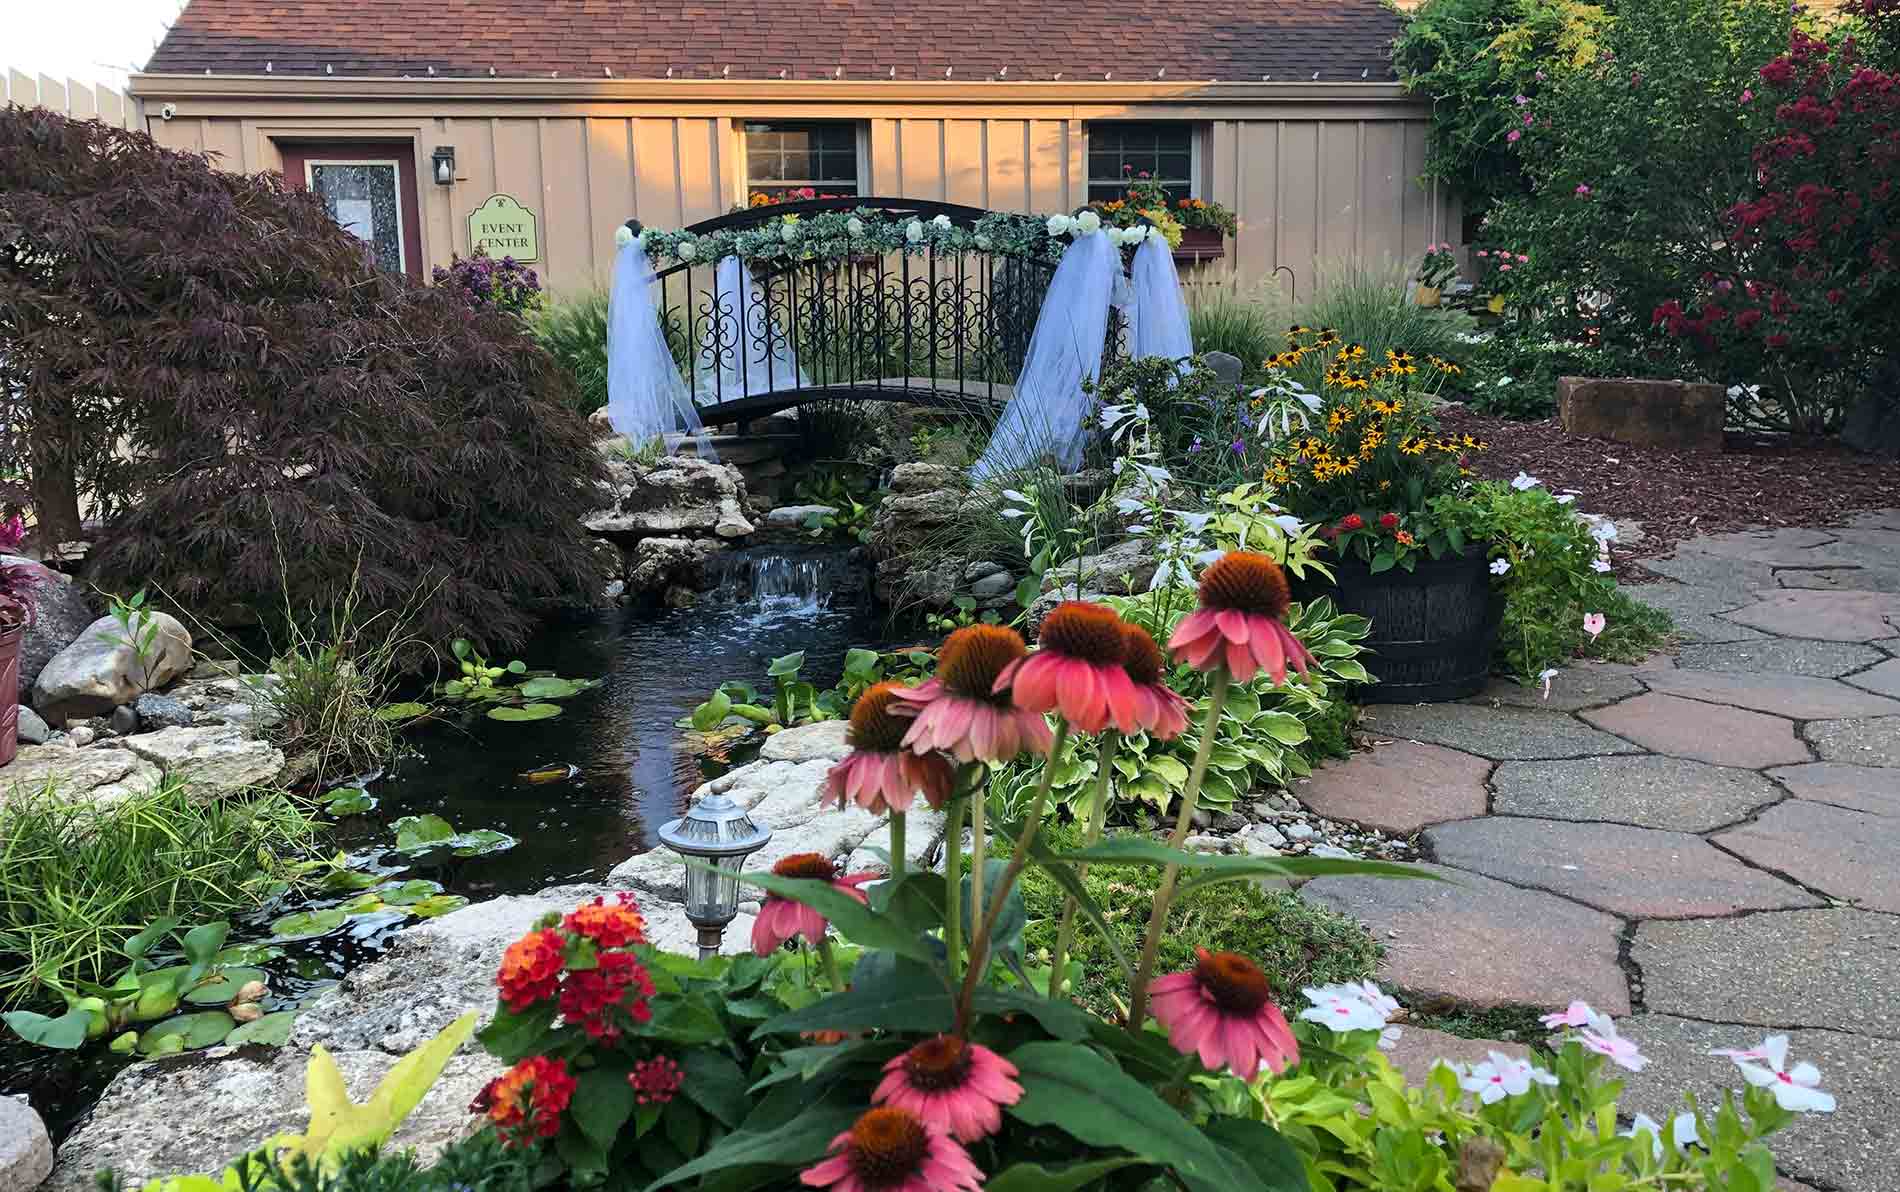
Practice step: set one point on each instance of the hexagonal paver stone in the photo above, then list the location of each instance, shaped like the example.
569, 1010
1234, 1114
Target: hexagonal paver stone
1583, 685
1883, 679
1830, 616
1650, 792
1781, 655
1784, 545
1849, 1150
1829, 968
1798, 697
1639, 873
1704, 732
1399, 787
1477, 942
1496, 733
1874, 741
1864, 788
1849, 854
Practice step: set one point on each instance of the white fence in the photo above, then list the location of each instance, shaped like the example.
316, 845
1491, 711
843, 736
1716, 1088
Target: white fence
76, 99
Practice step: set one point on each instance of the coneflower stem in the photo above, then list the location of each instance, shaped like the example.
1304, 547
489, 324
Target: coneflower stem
1190, 799
979, 803
830, 960
999, 897
897, 845
1098, 820
953, 881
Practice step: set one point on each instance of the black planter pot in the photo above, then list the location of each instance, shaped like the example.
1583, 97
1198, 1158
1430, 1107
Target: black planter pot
1433, 628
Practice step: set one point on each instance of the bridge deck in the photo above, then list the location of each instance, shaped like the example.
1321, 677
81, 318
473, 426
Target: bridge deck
988, 397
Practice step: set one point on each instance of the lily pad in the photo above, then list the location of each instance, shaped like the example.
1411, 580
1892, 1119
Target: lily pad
407, 710
272, 1029
349, 800
307, 924
525, 712
438, 904
421, 831
481, 842
553, 688
338, 880
219, 988
207, 1028
408, 893
249, 954
365, 903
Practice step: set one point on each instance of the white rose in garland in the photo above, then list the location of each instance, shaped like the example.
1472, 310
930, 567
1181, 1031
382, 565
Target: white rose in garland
983, 242
1088, 223
1135, 235
914, 231
942, 221
623, 236
687, 250
854, 226
1060, 225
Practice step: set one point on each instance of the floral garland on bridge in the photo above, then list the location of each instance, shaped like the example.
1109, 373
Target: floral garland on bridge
870, 231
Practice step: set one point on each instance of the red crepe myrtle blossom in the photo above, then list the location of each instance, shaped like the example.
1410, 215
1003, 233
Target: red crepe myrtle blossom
880, 774
1222, 1010
961, 711
1238, 625
954, 1086
781, 919
525, 1102
1077, 669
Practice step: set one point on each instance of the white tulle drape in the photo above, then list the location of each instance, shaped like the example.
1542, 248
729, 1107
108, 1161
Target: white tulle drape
1159, 316
731, 362
645, 393
1048, 416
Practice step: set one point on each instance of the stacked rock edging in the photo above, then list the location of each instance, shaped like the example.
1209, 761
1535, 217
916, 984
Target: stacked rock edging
666, 519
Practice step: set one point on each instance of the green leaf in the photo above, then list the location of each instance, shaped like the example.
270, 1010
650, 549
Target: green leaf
436, 905
1350, 670
906, 996
525, 712
1034, 1177
796, 1143
1077, 1091
65, 1033
1262, 1149
684, 1129
142, 943
421, 831
683, 1020
513, 1036
1169, 770
1283, 727
1213, 867
708, 715
205, 1029
602, 1103
1383, 561
716, 1085
202, 943
408, 893
308, 924
365, 903
481, 842
219, 988
1063, 1019
1027, 589
785, 665
272, 1030
407, 710
1015, 915
852, 919
348, 879
349, 800
548, 687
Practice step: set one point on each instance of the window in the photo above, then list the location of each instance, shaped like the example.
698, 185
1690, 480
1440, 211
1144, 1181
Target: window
780, 158
369, 189
1117, 151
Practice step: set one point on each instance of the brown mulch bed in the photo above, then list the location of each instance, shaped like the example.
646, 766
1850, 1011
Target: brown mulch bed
1755, 481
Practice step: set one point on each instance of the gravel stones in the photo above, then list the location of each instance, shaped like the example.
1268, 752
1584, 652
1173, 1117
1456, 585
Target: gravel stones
1649, 792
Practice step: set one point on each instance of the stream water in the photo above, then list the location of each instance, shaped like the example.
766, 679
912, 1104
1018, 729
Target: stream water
630, 772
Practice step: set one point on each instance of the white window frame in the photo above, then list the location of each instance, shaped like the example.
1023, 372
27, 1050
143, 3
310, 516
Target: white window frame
310, 181
1197, 144
861, 167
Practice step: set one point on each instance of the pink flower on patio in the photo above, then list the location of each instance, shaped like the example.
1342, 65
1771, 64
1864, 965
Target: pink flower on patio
1583, 189
960, 711
891, 1150
1500, 1076
1161, 713
1515, 135
1076, 670
1238, 625
1576, 1014
1223, 1009
782, 919
1797, 1089
954, 1086
1594, 624
1601, 1037
879, 774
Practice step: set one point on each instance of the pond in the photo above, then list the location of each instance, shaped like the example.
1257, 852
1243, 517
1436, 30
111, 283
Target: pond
630, 772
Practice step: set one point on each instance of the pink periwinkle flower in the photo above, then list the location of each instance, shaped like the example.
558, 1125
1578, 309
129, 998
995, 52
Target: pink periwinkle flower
1594, 624
1583, 189
1797, 1089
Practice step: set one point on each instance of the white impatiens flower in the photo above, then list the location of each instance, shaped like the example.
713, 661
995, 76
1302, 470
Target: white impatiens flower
913, 231
1599, 564
1524, 480
1355, 1006
1088, 223
983, 242
942, 221
854, 226
788, 231
1060, 225
1500, 566
1797, 1089
1604, 531
687, 250
623, 236
1566, 498
1501, 1076
1389, 1038
1683, 1127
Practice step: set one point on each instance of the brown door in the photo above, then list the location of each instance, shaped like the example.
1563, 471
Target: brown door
369, 188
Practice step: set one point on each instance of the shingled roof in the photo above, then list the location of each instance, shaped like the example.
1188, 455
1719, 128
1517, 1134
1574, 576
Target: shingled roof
1230, 40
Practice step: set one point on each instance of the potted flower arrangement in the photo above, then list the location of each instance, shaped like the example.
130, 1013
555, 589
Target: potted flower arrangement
1438, 267
1372, 468
19, 586
1495, 267
1205, 228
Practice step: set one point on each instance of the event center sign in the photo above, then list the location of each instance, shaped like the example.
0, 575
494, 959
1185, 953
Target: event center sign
504, 228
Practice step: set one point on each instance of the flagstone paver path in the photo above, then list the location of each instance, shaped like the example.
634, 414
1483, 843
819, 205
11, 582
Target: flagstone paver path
1708, 845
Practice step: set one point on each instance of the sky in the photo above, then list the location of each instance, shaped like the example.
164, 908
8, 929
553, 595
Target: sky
90, 41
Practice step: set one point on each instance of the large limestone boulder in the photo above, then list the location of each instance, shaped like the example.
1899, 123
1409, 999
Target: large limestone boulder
1122, 569
100, 670
679, 495
218, 759
656, 564
61, 614
26, 1153
98, 775
1678, 415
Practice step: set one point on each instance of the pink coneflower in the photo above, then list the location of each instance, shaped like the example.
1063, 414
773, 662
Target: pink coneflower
1243, 598
1223, 1009
954, 1086
891, 1150
960, 711
1161, 712
781, 919
879, 774
1077, 671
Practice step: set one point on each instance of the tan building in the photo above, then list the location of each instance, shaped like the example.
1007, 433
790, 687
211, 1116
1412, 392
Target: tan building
538, 126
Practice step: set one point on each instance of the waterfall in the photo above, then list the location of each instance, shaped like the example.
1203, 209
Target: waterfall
783, 581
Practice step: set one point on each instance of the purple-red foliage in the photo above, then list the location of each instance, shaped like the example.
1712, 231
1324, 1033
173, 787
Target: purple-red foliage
277, 414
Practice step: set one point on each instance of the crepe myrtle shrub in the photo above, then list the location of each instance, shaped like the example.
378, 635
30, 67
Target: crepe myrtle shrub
1808, 307
256, 413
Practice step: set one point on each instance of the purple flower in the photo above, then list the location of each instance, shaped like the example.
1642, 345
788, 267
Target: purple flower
1239, 447
1522, 100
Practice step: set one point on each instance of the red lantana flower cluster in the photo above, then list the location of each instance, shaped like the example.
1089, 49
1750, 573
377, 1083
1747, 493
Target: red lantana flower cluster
655, 1081
600, 987
525, 1102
